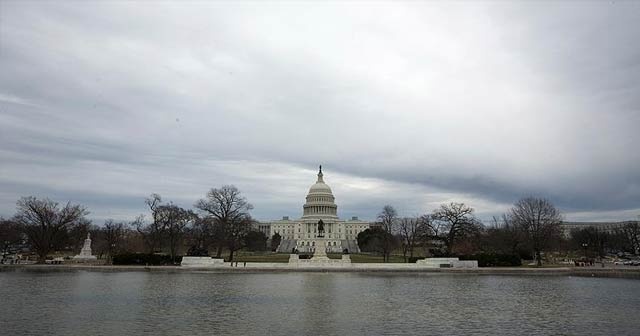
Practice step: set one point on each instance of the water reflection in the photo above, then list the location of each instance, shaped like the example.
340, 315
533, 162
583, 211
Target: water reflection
81, 303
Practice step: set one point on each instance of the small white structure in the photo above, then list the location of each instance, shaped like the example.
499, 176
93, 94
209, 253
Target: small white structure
201, 262
319, 227
85, 253
319, 259
447, 263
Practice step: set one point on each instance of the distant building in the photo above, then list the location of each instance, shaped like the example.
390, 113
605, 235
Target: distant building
319, 220
609, 227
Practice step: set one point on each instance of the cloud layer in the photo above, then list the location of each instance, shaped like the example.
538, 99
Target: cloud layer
404, 103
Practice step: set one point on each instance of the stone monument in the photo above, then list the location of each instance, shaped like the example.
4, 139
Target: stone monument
193, 261
320, 253
319, 225
85, 253
446, 263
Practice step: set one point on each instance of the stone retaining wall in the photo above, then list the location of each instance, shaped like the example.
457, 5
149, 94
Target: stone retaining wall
629, 273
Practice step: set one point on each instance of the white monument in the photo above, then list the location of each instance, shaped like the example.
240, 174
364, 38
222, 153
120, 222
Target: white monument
319, 212
446, 263
320, 245
189, 261
85, 253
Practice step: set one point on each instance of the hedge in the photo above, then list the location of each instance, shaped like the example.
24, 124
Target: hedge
144, 259
494, 259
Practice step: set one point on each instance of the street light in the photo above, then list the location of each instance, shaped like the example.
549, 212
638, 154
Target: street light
113, 248
584, 246
4, 251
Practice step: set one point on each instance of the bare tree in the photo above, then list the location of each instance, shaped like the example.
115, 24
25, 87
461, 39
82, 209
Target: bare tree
377, 240
237, 234
539, 220
77, 233
503, 237
113, 235
202, 234
174, 221
45, 223
152, 233
132, 240
275, 241
256, 241
451, 223
433, 231
230, 211
631, 233
388, 219
412, 231
9, 232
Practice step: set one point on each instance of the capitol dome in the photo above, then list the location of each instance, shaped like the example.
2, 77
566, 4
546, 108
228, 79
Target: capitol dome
320, 202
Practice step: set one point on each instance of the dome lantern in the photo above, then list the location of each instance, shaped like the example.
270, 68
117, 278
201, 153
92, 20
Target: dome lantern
320, 202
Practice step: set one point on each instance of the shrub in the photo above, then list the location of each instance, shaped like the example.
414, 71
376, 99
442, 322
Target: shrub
412, 260
494, 259
144, 259
195, 251
256, 241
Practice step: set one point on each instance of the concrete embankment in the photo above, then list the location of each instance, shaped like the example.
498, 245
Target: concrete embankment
627, 273
630, 273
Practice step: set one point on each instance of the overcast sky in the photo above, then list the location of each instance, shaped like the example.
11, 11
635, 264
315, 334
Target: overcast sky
410, 104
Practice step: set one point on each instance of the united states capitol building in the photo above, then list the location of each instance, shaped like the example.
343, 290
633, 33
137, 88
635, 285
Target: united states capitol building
319, 227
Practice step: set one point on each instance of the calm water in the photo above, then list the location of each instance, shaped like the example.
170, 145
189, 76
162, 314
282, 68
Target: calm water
94, 303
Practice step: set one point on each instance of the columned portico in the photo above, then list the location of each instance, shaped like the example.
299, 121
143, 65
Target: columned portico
319, 228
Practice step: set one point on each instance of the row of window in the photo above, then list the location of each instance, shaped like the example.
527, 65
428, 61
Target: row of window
320, 210
320, 199
302, 243
348, 236
314, 231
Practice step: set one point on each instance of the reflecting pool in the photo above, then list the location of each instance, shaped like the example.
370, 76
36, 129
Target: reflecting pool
131, 303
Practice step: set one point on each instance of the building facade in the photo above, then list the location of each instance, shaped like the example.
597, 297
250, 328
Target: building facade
319, 225
609, 227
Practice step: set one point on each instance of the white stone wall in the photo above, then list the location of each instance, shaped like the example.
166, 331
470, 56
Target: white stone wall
307, 229
447, 262
609, 227
319, 205
329, 245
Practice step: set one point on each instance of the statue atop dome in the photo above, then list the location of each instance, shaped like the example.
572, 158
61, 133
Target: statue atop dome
320, 201
319, 230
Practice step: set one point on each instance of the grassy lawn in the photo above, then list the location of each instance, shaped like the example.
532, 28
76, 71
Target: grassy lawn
367, 258
544, 265
261, 257
268, 257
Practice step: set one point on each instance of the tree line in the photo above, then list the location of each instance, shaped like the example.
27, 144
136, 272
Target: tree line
219, 221
529, 229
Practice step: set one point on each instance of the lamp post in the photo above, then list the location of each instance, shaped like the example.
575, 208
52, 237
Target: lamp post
584, 246
5, 251
638, 238
111, 250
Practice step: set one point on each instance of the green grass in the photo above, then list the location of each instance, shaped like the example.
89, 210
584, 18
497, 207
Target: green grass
269, 257
261, 257
544, 265
367, 258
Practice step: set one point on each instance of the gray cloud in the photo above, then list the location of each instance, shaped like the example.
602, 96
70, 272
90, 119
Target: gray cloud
404, 103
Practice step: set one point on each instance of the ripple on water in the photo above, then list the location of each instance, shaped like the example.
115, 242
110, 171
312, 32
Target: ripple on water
81, 303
